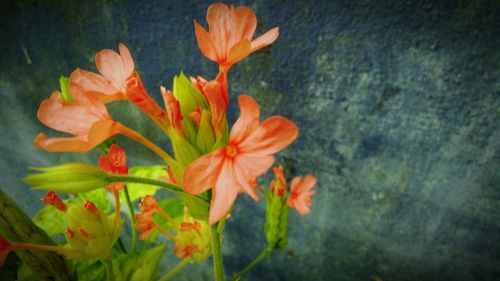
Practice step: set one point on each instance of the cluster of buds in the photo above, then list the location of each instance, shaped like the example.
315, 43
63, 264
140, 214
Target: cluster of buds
191, 238
91, 232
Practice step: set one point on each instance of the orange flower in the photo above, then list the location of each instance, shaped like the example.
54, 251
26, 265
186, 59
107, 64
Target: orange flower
54, 200
229, 36
115, 69
233, 169
86, 118
173, 108
300, 197
114, 162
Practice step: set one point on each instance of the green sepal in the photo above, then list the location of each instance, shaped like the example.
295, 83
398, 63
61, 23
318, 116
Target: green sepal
205, 138
185, 152
138, 266
65, 93
68, 178
188, 96
198, 207
276, 225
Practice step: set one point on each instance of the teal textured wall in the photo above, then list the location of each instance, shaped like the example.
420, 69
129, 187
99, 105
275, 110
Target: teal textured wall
397, 103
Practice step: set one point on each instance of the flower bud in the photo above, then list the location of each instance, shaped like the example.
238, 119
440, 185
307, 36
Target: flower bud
5, 248
91, 232
53, 199
192, 239
68, 178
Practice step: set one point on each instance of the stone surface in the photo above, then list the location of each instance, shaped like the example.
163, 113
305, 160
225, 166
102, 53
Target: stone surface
397, 102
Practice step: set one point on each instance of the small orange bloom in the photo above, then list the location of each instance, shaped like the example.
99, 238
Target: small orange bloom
300, 197
233, 169
278, 185
217, 98
173, 108
115, 162
144, 224
86, 118
229, 36
183, 252
54, 200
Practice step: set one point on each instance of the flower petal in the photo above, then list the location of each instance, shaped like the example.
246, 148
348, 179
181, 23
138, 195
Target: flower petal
265, 39
205, 43
102, 130
217, 19
238, 52
248, 120
91, 82
247, 168
128, 62
214, 94
75, 118
224, 193
245, 23
273, 135
110, 65
75, 144
202, 174
299, 185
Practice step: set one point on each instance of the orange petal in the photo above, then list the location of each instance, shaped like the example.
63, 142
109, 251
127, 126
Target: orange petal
75, 144
75, 118
86, 81
245, 23
202, 174
247, 168
299, 185
215, 96
102, 130
224, 194
128, 62
265, 39
273, 135
205, 43
248, 120
217, 19
238, 52
110, 65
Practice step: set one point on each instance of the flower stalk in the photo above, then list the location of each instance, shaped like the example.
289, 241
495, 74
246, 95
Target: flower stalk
178, 268
265, 253
216, 253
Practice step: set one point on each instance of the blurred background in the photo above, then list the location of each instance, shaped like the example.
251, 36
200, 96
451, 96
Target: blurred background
397, 103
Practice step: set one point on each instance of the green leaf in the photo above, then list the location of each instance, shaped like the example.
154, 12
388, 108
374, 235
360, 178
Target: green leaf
138, 267
184, 151
137, 190
198, 208
64, 83
51, 220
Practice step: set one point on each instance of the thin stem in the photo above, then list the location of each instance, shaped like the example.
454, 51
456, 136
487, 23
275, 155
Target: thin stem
132, 219
216, 255
165, 232
180, 266
40, 247
125, 178
265, 253
109, 269
167, 217
144, 141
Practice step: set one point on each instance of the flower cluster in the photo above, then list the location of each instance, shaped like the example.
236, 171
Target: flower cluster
212, 162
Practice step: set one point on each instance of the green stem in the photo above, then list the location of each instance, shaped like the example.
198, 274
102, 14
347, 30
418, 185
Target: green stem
121, 246
132, 219
216, 255
265, 253
180, 266
109, 269
125, 178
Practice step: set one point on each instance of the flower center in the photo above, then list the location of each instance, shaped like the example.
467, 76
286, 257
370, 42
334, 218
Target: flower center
231, 151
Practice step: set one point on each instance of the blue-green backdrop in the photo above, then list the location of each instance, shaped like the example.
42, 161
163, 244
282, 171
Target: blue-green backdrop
397, 103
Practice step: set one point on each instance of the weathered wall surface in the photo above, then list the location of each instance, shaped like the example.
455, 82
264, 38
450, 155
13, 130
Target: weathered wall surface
398, 106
